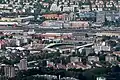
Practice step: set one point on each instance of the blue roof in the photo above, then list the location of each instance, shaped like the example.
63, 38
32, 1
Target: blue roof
87, 14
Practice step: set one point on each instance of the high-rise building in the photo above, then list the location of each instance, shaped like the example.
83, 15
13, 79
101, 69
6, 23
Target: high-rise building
100, 17
17, 42
8, 71
23, 64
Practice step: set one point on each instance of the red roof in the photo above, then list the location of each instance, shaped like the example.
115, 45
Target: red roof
60, 66
2, 42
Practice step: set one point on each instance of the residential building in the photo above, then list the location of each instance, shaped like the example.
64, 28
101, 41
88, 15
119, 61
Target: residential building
23, 64
110, 58
75, 59
52, 24
77, 65
9, 71
101, 78
69, 17
117, 53
100, 17
108, 33
50, 64
68, 78
93, 58
53, 16
79, 24
88, 51
54, 7
102, 48
87, 16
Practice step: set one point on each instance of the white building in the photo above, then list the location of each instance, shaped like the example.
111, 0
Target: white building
88, 51
9, 71
68, 9
75, 59
101, 47
93, 58
101, 78
31, 31
54, 7
23, 64
17, 42
110, 58
100, 17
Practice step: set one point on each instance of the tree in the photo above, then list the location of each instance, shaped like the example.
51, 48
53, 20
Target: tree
113, 6
11, 37
116, 69
112, 43
102, 57
80, 4
90, 5
104, 2
48, 1
38, 7
83, 53
106, 22
2, 1
84, 60
92, 73
86, 35
81, 77
117, 1
2, 37
104, 38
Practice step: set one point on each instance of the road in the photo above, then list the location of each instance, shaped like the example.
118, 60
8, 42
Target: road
41, 30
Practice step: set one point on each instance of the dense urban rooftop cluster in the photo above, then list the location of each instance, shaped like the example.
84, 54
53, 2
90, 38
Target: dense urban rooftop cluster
59, 40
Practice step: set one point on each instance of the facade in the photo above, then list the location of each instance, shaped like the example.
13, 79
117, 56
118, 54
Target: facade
50, 64
101, 78
23, 64
53, 16
100, 17
57, 35
93, 58
108, 33
53, 24
101, 48
9, 71
75, 59
79, 24
87, 16
88, 51
3, 44
110, 58
69, 17
54, 7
